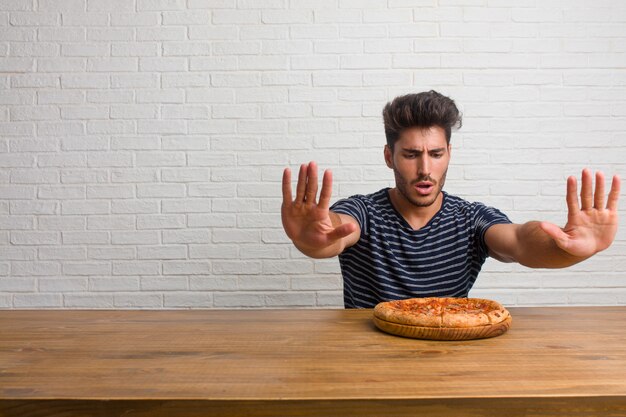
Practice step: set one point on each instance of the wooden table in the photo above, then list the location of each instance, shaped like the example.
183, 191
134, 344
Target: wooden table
553, 361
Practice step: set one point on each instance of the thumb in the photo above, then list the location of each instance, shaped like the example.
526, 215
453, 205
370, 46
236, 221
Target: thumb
556, 233
342, 231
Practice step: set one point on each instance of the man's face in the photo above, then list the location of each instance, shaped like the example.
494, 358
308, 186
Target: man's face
420, 161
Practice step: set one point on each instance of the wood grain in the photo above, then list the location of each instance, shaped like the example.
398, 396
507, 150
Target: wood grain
553, 361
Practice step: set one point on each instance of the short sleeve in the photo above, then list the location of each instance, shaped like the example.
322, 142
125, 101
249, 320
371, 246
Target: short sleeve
355, 207
485, 217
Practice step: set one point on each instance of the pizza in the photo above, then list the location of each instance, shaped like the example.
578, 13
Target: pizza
442, 312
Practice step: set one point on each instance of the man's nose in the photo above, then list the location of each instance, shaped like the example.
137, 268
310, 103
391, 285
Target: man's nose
423, 164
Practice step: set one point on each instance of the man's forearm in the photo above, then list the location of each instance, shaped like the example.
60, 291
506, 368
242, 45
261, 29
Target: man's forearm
538, 250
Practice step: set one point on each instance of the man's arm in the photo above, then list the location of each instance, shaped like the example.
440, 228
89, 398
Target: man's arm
591, 227
314, 229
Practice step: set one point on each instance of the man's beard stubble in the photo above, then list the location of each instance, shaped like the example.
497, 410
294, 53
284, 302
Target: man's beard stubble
404, 187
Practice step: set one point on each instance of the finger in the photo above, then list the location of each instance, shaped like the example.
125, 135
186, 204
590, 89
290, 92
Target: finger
572, 195
598, 195
311, 183
614, 193
287, 186
301, 186
342, 231
586, 196
556, 233
327, 190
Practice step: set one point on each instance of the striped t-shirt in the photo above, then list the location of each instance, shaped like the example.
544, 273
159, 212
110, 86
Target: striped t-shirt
392, 261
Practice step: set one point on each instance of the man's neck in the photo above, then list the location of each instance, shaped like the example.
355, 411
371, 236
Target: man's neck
417, 217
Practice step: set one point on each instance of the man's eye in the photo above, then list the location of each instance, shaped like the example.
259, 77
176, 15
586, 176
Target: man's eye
410, 155
437, 155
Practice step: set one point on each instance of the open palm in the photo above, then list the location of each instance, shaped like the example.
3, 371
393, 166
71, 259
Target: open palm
306, 221
591, 226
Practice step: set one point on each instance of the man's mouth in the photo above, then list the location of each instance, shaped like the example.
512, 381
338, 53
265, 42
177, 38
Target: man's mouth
424, 187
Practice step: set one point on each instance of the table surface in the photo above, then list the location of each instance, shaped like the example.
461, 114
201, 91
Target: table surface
550, 353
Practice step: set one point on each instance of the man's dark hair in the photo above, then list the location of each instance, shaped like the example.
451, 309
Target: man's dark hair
421, 110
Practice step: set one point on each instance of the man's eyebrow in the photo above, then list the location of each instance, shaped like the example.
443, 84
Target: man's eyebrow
414, 150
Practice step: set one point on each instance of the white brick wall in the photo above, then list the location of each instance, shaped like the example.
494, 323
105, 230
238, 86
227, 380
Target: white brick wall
142, 141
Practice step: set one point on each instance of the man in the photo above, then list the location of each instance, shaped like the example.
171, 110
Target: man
415, 240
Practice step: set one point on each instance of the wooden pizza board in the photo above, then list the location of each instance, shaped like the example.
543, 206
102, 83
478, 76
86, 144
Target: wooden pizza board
443, 333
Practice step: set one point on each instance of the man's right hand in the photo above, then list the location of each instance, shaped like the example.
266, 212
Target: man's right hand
313, 228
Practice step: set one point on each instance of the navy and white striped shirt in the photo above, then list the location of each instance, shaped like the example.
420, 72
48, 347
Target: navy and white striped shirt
392, 261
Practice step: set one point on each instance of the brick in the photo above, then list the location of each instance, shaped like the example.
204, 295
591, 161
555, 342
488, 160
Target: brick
33, 207
133, 112
110, 6
197, 283
185, 300
76, 18
370, 61
186, 236
211, 220
21, 113
91, 301
200, 205
224, 17
86, 268
220, 251
18, 34
135, 19
186, 268
196, 17
18, 284
33, 19
238, 299
185, 175
163, 221
333, 299
62, 253
38, 268
287, 16
169, 283
16, 97
61, 223
135, 143
161, 96
136, 300
110, 253
213, 32
135, 238
162, 252
38, 300
61, 5
84, 49
136, 268
62, 284
185, 80
62, 34
84, 237
160, 5
115, 34
34, 238
111, 222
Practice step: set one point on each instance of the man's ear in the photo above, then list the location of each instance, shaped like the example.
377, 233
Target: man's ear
450, 149
388, 156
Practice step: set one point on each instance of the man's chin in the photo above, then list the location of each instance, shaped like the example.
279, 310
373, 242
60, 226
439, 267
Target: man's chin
423, 201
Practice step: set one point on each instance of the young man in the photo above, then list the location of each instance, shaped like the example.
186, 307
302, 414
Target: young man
415, 240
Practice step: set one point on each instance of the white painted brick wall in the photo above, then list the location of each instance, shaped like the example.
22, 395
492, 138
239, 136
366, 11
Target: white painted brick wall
142, 141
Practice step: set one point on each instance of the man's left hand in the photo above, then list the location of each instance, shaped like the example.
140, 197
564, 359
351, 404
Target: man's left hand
591, 226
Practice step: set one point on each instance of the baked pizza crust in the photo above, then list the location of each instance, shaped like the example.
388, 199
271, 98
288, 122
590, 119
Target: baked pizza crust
446, 312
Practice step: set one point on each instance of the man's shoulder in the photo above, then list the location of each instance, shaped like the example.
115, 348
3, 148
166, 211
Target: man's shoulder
460, 206
374, 199
454, 202
474, 209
